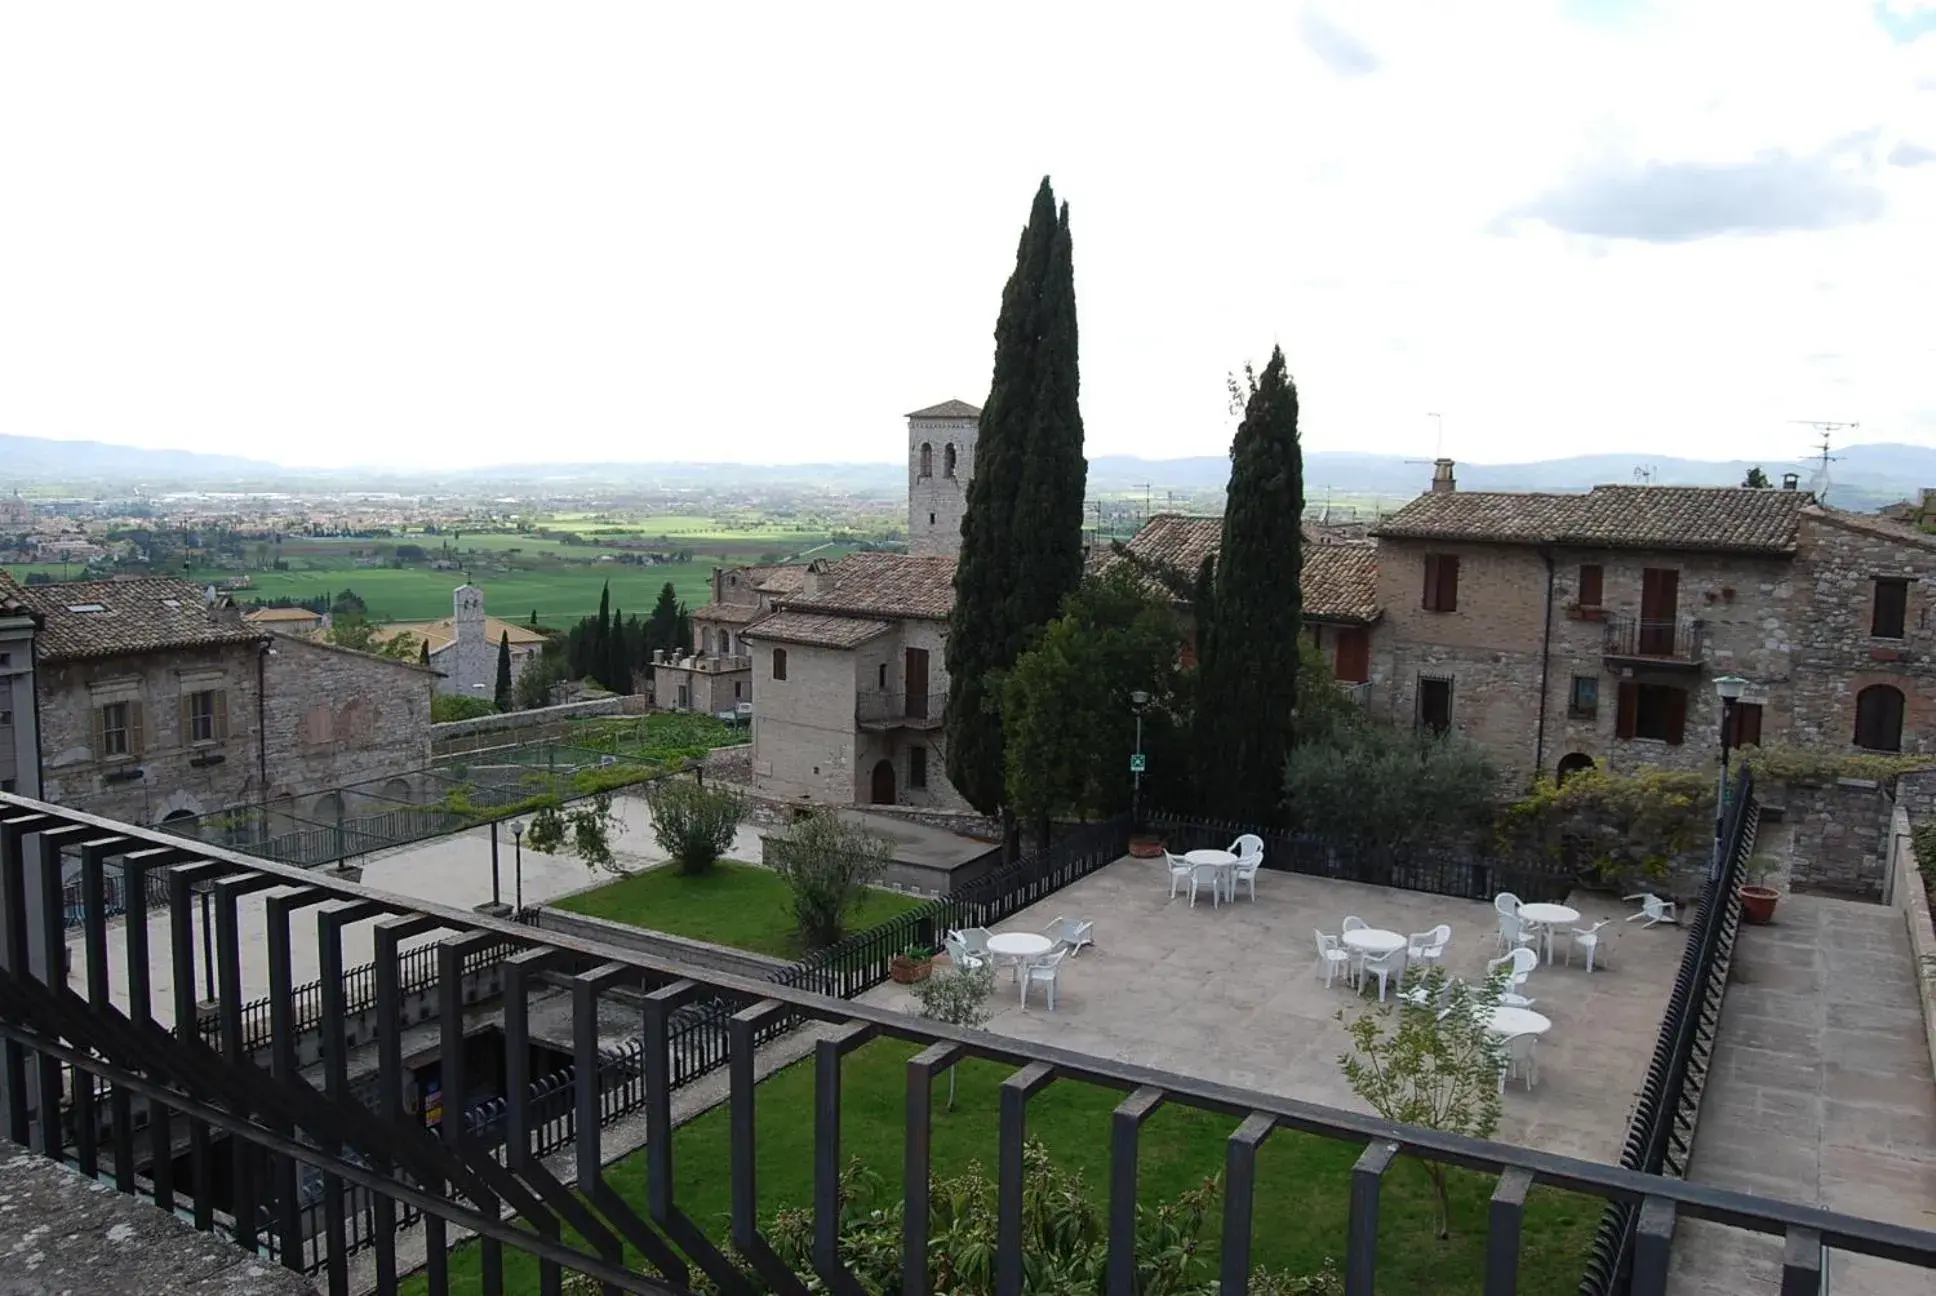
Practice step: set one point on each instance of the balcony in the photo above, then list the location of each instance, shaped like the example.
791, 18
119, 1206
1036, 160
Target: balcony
883, 711
1678, 642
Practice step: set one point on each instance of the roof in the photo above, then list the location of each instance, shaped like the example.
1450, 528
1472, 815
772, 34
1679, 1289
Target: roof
1725, 519
439, 634
1178, 540
81, 620
782, 578
260, 615
818, 630
884, 585
729, 613
13, 599
1340, 582
1870, 524
949, 409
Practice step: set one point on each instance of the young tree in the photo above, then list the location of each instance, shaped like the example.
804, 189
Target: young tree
1438, 1067
503, 692
423, 654
1756, 479
1383, 789
1247, 671
538, 679
694, 824
957, 998
1021, 534
827, 863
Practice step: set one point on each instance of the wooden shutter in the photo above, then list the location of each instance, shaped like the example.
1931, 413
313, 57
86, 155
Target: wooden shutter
1353, 665
1431, 600
1747, 724
1592, 584
1891, 609
1448, 583
1627, 710
137, 729
186, 711
221, 715
100, 733
1676, 716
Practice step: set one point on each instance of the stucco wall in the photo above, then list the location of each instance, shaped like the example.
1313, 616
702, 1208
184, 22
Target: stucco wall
804, 737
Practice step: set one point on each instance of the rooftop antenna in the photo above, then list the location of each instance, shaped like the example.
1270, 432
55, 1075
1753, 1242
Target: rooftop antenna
1645, 474
1146, 488
1438, 436
1819, 482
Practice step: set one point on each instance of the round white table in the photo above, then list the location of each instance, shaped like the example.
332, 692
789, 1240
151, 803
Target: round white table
1021, 946
1223, 861
1374, 941
1507, 1020
1549, 916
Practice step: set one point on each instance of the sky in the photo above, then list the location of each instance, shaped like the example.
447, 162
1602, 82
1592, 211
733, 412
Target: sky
441, 234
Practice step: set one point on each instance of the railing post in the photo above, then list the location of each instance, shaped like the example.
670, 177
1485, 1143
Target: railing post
1016, 1091
1653, 1243
1125, 1128
1361, 1238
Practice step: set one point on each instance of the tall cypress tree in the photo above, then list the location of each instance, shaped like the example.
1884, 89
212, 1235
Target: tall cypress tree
504, 671
1247, 672
616, 669
662, 626
1021, 534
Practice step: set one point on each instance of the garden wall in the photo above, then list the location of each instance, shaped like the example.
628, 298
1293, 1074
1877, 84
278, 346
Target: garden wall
1912, 900
537, 717
1841, 838
714, 958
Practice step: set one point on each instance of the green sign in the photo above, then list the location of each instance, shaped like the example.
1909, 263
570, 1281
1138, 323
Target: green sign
1136, 763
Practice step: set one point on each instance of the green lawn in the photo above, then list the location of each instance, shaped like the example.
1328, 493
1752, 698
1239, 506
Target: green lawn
561, 592
1302, 1180
735, 904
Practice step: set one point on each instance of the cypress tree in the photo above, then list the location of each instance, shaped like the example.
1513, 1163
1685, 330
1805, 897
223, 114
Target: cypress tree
423, 653
1247, 672
503, 698
662, 626
1021, 533
615, 669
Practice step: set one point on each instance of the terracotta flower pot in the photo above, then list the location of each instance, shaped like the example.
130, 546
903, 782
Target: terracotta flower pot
1758, 903
1146, 847
906, 971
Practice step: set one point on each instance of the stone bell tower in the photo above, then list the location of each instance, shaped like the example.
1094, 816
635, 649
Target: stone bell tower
941, 459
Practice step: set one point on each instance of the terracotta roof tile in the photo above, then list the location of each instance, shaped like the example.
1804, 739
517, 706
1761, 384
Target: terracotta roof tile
1722, 519
13, 599
264, 615
949, 409
784, 578
819, 630
91, 619
1340, 580
884, 585
729, 613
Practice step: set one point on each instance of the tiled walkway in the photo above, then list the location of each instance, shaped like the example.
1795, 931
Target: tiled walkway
1820, 1092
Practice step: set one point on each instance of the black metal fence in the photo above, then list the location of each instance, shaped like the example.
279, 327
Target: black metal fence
1451, 870
1660, 1134
246, 1131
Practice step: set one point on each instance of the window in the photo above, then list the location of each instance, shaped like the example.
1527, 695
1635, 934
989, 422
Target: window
1584, 702
930, 519
6, 785
737, 686
706, 640
1352, 664
881, 677
948, 460
1435, 703
205, 716
1441, 583
1592, 584
1891, 607
1878, 718
917, 767
117, 730
927, 460
1571, 764
779, 663
6, 659
1745, 731
6, 717
685, 697
1654, 711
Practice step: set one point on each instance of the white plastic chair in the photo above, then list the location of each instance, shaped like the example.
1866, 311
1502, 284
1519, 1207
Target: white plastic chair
975, 940
958, 952
1179, 871
1429, 947
1386, 967
1073, 932
1653, 909
1522, 961
1248, 846
1246, 872
1512, 929
1210, 875
1043, 971
1522, 1059
1332, 955
1588, 939
1352, 923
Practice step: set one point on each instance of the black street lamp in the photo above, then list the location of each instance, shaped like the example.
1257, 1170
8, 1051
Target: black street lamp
496, 901
1729, 688
517, 847
1139, 702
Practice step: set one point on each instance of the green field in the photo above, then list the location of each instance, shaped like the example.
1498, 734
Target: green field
561, 594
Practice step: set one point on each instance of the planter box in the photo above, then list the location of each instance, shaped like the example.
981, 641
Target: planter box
907, 971
1146, 847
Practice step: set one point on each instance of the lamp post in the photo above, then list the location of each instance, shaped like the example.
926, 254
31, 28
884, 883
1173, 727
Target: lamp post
496, 898
1139, 701
517, 848
1729, 688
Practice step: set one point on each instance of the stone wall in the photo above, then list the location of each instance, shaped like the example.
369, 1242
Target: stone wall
714, 958
937, 500
804, 734
1841, 837
335, 718
533, 718
1912, 900
1916, 794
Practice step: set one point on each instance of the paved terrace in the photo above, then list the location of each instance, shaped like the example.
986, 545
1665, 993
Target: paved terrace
1228, 994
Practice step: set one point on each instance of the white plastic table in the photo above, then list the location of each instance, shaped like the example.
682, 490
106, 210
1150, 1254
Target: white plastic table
1020, 946
1374, 941
1223, 861
1549, 916
1507, 1020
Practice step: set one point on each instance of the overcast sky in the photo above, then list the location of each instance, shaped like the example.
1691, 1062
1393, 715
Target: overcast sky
421, 233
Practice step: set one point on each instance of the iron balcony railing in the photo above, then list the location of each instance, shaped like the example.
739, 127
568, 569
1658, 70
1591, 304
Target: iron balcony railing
265, 1122
1675, 639
901, 710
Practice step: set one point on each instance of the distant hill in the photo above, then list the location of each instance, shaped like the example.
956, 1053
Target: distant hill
40, 459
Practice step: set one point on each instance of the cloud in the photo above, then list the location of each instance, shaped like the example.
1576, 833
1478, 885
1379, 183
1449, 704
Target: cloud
1908, 153
1337, 48
1679, 202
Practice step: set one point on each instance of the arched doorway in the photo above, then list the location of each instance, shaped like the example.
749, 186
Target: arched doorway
1878, 718
883, 783
1572, 763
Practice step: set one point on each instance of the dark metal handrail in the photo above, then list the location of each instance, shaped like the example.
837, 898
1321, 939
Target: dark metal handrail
1680, 639
272, 1116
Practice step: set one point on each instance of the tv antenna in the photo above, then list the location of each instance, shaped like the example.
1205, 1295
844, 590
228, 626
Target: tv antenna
1826, 428
1645, 474
1146, 488
1438, 435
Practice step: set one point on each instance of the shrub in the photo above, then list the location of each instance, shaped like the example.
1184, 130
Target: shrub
958, 998
584, 830
694, 824
446, 707
1378, 787
828, 863
1608, 825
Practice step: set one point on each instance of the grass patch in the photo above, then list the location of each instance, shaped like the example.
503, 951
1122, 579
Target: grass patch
740, 905
1303, 1181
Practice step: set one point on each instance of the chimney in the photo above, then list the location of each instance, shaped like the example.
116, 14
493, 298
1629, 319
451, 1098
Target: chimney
1789, 481
1443, 482
818, 583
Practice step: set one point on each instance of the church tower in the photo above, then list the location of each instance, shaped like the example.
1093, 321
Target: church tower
475, 657
941, 459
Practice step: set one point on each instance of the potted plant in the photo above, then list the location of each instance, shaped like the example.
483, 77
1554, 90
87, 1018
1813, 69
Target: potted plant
911, 965
1758, 900
1146, 844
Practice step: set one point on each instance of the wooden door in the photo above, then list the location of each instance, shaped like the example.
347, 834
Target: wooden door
1353, 665
883, 790
917, 683
1660, 592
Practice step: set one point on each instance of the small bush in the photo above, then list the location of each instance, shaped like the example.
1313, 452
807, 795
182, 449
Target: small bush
828, 864
446, 707
694, 824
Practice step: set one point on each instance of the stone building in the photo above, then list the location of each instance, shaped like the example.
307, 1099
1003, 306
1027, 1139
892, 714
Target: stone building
1563, 630
285, 620
717, 676
941, 460
19, 738
157, 703
463, 645
852, 687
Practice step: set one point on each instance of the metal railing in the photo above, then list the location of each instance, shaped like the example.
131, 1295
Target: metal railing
1676, 639
1660, 1135
914, 710
263, 1123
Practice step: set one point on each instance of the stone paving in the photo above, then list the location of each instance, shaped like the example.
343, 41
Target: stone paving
1228, 994
1820, 1092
